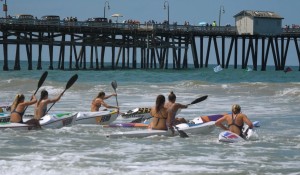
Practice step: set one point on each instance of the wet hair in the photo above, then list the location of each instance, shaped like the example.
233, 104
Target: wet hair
160, 101
101, 94
236, 108
44, 94
18, 99
172, 97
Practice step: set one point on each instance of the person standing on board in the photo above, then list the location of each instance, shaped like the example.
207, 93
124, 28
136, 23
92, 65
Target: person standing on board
159, 113
99, 100
235, 121
18, 107
41, 105
173, 108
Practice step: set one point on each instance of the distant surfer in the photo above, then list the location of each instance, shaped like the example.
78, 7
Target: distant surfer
288, 69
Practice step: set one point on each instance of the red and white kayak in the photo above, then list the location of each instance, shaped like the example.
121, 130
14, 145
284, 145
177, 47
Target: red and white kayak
248, 135
52, 121
99, 117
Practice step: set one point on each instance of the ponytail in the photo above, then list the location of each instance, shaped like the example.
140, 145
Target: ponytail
18, 98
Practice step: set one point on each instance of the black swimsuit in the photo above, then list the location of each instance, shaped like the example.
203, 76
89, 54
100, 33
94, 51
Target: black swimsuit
20, 113
233, 123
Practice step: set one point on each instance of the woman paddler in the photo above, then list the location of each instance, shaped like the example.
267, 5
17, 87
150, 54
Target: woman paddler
99, 100
161, 119
18, 108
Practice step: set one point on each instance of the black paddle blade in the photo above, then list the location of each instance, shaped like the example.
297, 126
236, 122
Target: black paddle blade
199, 99
42, 79
114, 84
71, 81
182, 134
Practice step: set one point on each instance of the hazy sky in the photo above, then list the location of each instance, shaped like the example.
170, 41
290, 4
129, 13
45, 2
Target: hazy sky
194, 11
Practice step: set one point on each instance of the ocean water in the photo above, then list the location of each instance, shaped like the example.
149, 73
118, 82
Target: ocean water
271, 97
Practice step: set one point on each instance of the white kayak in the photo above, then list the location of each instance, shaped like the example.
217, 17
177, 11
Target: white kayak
53, 121
100, 117
248, 135
188, 128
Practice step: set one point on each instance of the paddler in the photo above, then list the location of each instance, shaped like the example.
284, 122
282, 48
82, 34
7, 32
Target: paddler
17, 109
173, 107
235, 121
159, 112
99, 100
41, 105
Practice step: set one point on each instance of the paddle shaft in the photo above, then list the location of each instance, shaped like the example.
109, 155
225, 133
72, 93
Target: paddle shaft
115, 85
40, 83
71, 81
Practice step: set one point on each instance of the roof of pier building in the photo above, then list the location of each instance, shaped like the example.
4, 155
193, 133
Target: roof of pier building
258, 14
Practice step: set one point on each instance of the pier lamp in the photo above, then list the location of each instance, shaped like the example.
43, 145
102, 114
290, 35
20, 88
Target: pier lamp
106, 4
222, 10
166, 6
5, 8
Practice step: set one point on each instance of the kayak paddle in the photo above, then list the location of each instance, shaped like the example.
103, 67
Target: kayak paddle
40, 83
198, 100
182, 134
71, 81
114, 86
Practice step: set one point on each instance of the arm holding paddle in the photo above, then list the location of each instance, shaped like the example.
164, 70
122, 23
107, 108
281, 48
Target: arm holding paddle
71, 81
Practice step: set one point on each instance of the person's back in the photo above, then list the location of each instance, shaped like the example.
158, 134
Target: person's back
40, 109
159, 114
159, 119
41, 105
235, 121
173, 108
18, 108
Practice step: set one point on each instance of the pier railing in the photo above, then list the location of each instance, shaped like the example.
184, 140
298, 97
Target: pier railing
84, 25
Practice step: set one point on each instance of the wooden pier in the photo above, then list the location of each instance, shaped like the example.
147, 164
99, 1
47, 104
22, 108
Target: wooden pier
151, 45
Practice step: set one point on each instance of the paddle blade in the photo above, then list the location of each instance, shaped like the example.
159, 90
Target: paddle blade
42, 79
71, 81
199, 100
182, 134
114, 84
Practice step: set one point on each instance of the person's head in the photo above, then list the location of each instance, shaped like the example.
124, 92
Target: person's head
172, 97
18, 99
236, 109
160, 102
44, 94
101, 94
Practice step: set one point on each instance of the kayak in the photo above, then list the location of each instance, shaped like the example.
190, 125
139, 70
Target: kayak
4, 117
203, 128
52, 121
127, 125
100, 117
249, 135
142, 113
145, 123
137, 113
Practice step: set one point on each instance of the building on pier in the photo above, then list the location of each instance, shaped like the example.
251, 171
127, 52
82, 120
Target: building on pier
250, 22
